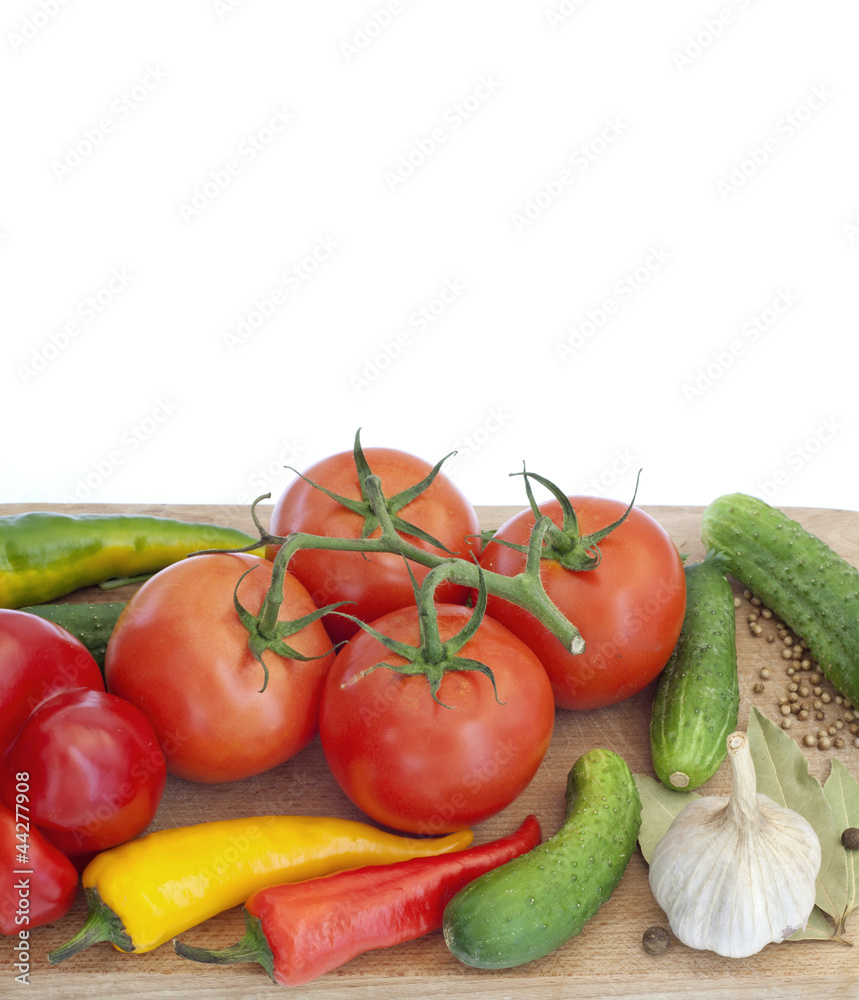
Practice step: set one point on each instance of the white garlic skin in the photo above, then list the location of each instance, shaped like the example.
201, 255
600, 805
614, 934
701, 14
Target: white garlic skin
735, 874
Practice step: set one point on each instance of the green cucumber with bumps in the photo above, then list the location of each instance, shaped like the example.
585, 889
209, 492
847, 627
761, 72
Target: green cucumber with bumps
697, 698
813, 589
532, 905
90, 623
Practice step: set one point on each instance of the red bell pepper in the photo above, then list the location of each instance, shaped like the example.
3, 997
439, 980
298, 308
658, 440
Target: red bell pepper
39, 883
302, 930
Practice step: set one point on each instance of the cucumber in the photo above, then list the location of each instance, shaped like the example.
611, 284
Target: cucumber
697, 699
535, 903
794, 573
91, 623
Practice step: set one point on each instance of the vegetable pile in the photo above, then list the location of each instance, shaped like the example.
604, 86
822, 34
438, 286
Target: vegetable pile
431, 663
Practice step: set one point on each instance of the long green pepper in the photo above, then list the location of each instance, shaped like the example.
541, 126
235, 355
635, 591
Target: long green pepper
45, 555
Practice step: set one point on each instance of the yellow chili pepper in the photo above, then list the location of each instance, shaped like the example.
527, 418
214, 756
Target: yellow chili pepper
147, 891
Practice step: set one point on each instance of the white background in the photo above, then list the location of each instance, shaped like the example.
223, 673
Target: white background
221, 222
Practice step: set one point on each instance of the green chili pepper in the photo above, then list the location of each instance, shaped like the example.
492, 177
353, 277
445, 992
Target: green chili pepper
45, 555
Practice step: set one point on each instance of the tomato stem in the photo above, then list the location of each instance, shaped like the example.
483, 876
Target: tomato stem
566, 544
525, 589
379, 507
266, 631
433, 657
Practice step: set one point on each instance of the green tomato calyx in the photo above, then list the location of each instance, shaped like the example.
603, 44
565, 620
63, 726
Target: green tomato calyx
433, 656
366, 508
266, 631
565, 544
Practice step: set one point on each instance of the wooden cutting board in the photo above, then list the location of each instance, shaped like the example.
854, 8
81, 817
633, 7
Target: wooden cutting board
607, 959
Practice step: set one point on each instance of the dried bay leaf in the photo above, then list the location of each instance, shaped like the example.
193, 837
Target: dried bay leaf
781, 767
842, 793
782, 774
818, 928
659, 806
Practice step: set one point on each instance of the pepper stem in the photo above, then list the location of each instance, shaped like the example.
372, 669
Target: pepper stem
101, 924
253, 947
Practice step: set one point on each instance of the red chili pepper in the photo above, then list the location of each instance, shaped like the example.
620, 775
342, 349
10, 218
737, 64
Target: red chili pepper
302, 930
39, 882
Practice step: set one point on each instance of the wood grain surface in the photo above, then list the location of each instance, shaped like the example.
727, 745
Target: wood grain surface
606, 960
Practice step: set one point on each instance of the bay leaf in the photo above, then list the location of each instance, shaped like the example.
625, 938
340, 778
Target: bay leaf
782, 774
818, 928
659, 806
842, 793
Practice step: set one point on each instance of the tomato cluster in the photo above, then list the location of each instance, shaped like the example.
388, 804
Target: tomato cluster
379, 620
379, 582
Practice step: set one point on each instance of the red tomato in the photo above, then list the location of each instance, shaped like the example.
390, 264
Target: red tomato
49, 878
38, 659
376, 582
96, 771
180, 654
416, 765
629, 609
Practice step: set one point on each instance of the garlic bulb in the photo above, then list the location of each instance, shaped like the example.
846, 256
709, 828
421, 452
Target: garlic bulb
734, 874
